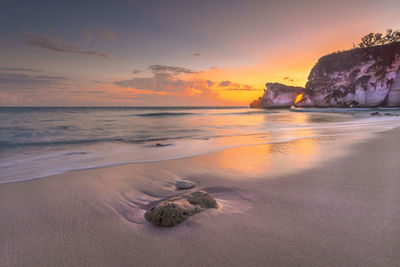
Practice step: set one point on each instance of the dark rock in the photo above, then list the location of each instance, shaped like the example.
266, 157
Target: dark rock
184, 184
162, 145
257, 103
175, 210
376, 113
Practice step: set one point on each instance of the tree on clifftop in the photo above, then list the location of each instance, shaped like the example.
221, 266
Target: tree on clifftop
373, 39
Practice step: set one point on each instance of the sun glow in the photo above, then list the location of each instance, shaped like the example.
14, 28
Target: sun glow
299, 97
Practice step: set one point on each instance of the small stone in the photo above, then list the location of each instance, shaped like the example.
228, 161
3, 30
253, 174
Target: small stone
175, 210
184, 184
162, 145
376, 113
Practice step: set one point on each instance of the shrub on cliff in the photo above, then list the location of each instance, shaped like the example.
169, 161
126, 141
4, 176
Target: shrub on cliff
341, 61
373, 39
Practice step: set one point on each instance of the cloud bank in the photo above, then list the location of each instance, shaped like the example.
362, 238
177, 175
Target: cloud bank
49, 43
19, 69
13, 80
172, 80
157, 69
164, 85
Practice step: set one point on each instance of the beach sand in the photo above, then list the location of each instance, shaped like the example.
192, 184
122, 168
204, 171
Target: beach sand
329, 201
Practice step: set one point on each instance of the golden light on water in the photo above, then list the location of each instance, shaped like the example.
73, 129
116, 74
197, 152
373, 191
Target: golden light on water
299, 97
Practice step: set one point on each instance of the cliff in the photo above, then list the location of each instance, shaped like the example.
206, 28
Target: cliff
277, 95
362, 77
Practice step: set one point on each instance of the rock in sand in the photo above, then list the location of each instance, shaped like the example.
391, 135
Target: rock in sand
184, 184
175, 210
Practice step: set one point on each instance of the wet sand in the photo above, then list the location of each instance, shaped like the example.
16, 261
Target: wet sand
320, 202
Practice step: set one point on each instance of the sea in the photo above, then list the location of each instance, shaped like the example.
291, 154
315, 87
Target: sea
38, 142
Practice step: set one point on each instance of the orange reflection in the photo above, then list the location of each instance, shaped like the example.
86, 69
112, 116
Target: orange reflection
261, 161
248, 161
299, 97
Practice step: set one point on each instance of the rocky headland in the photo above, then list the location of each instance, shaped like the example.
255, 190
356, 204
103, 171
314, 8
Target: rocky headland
277, 95
361, 77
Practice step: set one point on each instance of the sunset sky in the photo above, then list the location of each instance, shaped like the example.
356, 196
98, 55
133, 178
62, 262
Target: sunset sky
149, 53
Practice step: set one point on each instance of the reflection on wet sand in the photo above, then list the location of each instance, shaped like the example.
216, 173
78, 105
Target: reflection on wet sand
267, 158
274, 158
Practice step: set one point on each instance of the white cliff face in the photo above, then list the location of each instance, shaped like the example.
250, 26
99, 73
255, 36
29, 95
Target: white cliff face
279, 95
393, 97
365, 77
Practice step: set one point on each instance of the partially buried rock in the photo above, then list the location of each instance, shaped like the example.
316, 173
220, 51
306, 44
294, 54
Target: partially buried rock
376, 113
175, 210
162, 145
184, 184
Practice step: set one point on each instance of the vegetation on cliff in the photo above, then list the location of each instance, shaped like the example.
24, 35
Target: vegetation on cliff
373, 39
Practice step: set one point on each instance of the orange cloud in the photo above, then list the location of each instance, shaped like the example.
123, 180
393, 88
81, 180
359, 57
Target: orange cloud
178, 81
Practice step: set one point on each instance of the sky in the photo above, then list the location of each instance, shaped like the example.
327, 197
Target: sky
168, 52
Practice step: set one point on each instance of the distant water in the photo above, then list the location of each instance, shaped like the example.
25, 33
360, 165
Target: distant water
38, 142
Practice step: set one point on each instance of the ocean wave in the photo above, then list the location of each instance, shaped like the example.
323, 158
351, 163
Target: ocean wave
342, 110
55, 143
6, 144
250, 112
161, 114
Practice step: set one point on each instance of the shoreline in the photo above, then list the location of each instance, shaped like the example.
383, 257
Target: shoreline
197, 155
281, 204
58, 149
200, 153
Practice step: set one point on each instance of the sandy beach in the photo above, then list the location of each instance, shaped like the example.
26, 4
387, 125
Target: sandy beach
199, 133
330, 201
